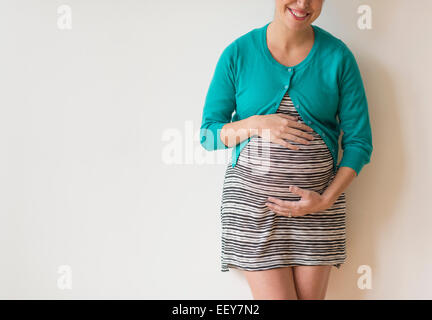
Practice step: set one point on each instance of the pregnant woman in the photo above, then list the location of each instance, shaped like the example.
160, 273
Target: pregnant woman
279, 97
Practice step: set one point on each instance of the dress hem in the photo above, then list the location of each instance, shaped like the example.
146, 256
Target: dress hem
228, 266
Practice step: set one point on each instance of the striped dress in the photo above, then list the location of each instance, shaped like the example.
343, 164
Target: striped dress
253, 236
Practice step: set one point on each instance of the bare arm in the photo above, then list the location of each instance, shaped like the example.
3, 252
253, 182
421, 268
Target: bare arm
344, 176
277, 127
235, 132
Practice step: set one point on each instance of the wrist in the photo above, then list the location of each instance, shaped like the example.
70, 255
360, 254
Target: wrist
327, 200
254, 125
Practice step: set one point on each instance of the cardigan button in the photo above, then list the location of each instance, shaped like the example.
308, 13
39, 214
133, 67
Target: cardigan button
286, 86
289, 69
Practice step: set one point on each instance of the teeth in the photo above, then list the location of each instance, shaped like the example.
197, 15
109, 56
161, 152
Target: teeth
298, 15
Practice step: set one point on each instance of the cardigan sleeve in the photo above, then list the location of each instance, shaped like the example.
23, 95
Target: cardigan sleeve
353, 116
220, 101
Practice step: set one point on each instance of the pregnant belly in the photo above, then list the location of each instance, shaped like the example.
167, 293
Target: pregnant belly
266, 164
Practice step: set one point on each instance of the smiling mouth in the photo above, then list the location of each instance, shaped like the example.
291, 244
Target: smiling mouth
297, 15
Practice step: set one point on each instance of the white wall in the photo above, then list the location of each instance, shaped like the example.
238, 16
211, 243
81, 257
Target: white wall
84, 178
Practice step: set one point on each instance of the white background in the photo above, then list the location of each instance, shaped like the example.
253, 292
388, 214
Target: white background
85, 178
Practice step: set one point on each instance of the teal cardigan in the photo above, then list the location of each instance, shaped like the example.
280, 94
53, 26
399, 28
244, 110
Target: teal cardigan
326, 89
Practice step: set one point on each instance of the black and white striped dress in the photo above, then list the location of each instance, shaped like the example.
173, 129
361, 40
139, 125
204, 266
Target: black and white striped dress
253, 236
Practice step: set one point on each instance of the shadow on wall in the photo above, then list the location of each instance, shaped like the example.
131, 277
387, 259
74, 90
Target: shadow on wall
373, 197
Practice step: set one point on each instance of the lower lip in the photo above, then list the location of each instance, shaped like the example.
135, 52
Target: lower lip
297, 18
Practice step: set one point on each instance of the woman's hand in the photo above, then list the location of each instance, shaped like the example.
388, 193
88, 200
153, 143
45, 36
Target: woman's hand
310, 202
278, 126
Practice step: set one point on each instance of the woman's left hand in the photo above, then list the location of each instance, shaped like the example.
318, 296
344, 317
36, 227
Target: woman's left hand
310, 202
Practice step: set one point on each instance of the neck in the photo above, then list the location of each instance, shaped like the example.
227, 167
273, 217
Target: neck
286, 38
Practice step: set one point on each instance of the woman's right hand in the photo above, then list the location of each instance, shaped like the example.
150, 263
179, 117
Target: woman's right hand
278, 126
